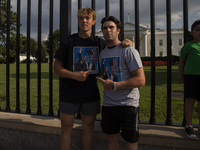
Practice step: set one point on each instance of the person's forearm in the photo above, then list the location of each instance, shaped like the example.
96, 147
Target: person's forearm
137, 80
181, 69
64, 73
181, 66
131, 83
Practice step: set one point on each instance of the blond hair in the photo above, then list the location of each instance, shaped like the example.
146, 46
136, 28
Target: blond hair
88, 11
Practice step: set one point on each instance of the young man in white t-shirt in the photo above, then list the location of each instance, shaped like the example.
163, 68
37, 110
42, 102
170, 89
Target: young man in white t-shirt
121, 93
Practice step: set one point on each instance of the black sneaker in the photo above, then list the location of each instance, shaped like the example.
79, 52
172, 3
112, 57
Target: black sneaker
190, 132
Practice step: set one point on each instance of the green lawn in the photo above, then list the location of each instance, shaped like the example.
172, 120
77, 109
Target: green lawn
145, 92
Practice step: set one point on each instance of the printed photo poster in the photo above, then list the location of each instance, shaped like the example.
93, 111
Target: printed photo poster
111, 68
85, 59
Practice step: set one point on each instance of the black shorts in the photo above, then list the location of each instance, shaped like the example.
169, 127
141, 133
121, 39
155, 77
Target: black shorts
124, 118
92, 108
192, 86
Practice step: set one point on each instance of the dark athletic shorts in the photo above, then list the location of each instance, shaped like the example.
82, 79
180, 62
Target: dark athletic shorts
192, 86
85, 108
124, 118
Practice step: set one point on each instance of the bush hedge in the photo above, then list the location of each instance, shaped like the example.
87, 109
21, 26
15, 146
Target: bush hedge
160, 61
2, 60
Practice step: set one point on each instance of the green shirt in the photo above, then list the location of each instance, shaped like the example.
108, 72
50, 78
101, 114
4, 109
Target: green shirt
191, 51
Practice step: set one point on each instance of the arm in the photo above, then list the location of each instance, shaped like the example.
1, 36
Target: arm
64, 73
137, 80
181, 69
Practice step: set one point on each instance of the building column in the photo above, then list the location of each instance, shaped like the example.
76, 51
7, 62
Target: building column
133, 40
145, 45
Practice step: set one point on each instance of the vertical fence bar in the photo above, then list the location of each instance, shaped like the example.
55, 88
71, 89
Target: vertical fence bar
185, 20
0, 29
152, 8
65, 26
122, 18
8, 58
17, 110
107, 9
39, 110
137, 40
0, 14
51, 59
65, 19
79, 6
94, 8
28, 109
169, 45
185, 25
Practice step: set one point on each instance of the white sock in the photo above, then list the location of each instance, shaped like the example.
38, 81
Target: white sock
188, 126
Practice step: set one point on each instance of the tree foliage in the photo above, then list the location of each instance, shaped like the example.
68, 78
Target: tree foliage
12, 45
43, 52
23, 39
3, 20
56, 42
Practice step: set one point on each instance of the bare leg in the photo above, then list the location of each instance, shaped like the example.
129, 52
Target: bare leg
132, 146
189, 103
113, 143
87, 135
67, 122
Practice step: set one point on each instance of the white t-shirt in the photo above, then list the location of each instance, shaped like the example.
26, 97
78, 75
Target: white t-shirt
121, 62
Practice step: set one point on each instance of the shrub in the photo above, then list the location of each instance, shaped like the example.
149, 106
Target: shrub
2, 60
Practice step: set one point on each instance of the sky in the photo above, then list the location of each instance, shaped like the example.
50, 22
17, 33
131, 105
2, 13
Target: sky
129, 5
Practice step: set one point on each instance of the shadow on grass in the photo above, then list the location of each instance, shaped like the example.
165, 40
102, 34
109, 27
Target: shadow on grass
161, 77
34, 75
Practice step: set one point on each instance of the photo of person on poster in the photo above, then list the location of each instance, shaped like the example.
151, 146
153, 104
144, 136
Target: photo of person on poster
110, 69
85, 59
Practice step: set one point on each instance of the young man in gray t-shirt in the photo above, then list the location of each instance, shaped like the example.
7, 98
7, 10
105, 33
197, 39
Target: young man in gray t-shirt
121, 95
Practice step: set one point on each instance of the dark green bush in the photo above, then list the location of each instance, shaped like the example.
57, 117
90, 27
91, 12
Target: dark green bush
2, 60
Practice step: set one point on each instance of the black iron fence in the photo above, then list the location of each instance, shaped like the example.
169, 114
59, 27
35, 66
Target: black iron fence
65, 31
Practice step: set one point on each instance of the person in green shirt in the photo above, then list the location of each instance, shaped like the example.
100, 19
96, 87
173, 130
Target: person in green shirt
189, 74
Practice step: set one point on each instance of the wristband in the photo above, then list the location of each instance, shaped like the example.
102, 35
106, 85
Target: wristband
114, 86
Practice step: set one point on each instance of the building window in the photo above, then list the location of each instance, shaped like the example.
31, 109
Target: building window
160, 42
161, 53
180, 42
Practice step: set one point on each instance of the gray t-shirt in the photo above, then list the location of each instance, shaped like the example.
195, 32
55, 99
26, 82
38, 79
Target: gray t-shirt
117, 64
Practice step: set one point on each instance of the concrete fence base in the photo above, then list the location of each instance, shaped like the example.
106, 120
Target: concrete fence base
31, 132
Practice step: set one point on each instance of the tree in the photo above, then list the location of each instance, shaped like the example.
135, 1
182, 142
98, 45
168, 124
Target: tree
3, 30
13, 44
3, 20
33, 46
43, 53
56, 41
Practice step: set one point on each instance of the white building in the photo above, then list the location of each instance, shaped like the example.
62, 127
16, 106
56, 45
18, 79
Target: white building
24, 57
160, 39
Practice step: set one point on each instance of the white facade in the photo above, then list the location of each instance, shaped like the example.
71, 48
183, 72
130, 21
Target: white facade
160, 39
23, 57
